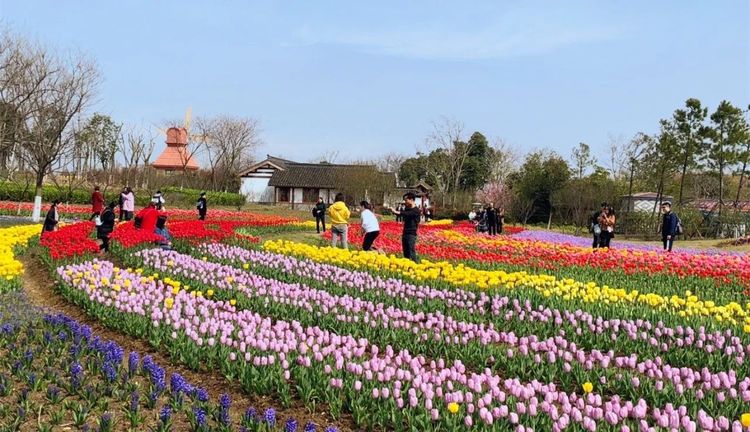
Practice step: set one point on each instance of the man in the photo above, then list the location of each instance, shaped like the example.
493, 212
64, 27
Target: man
319, 211
202, 206
669, 224
491, 220
594, 227
410, 215
339, 214
500, 220
97, 203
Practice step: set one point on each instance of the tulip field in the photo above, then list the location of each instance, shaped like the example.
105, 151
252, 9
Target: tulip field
526, 331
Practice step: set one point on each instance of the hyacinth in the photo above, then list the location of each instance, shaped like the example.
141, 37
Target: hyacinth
178, 384
76, 372
105, 423
165, 414
201, 394
52, 391
270, 417
200, 416
291, 425
225, 401
332, 429
251, 416
133, 363
134, 401
110, 373
310, 427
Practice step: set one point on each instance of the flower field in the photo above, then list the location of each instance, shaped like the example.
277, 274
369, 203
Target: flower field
515, 332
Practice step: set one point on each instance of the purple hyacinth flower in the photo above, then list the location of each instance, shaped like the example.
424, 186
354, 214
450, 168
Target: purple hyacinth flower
270, 417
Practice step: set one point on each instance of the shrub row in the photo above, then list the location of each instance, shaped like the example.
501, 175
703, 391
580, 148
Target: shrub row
172, 195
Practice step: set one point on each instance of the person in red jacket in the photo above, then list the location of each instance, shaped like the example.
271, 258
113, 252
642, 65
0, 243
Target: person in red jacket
97, 203
148, 217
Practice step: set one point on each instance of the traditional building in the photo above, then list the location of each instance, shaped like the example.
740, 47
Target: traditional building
643, 201
281, 181
421, 190
176, 156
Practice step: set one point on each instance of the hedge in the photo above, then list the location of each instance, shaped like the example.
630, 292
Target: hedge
172, 195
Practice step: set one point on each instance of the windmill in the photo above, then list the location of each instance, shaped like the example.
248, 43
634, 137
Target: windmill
177, 156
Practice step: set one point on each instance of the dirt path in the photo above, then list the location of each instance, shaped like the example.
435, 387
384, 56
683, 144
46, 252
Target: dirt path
39, 288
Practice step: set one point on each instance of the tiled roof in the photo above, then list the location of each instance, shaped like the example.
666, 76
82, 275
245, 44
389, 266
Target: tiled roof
329, 176
270, 160
173, 158
710, 205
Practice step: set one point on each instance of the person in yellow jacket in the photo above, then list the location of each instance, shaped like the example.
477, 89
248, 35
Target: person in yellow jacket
339, 213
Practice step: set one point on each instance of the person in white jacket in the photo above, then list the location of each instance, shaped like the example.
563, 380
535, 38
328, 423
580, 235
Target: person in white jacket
370, 226
128, 203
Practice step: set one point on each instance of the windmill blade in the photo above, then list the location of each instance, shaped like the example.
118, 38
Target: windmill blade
188, 115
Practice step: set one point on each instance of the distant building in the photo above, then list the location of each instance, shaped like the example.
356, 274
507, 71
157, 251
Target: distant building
176, 156
421, 190
643, 201
281, 181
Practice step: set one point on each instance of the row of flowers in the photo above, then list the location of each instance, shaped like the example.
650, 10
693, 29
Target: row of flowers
683, 345
452, 339
57, 373
382, 386
10, 267
460, 275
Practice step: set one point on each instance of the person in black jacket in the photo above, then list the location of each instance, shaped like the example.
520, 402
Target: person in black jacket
319, 211
411, 216
202, 206
668, 226
491, 215
52, 218
594, 227
106, 227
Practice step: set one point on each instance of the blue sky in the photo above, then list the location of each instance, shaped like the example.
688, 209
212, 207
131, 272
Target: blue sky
364, 78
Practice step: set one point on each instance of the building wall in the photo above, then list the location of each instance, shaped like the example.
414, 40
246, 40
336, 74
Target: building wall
297, 195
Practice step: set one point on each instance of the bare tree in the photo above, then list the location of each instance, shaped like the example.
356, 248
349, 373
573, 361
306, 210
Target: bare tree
390, 162
505, 160
48, 92
447, 135
230, 143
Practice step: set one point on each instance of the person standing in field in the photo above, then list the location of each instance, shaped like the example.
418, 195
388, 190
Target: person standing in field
500, 220
370, 226
52, 218
202, 206
106, 227
128, 203
411, 216
158, 200
97, 203
491, 216
339, 213
595, 228
669, 226
121, 203
319, 211
607, 224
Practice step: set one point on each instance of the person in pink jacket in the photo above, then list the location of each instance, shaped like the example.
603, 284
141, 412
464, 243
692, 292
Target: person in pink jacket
128, 203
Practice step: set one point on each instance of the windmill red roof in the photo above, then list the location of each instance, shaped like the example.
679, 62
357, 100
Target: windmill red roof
176, 156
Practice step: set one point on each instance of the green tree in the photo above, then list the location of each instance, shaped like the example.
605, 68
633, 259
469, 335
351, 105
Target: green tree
478, 166
728, 133
659, 160
689, 133
101, 134
582, 159
535, 182
743, 157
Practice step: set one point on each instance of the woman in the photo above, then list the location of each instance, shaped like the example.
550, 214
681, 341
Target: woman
339, 215
607, 225
52, 218
128, 203
161, 230
107, 226
370, 226
97, 203
158, 200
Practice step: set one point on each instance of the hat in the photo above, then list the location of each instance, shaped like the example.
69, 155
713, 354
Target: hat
667, 203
